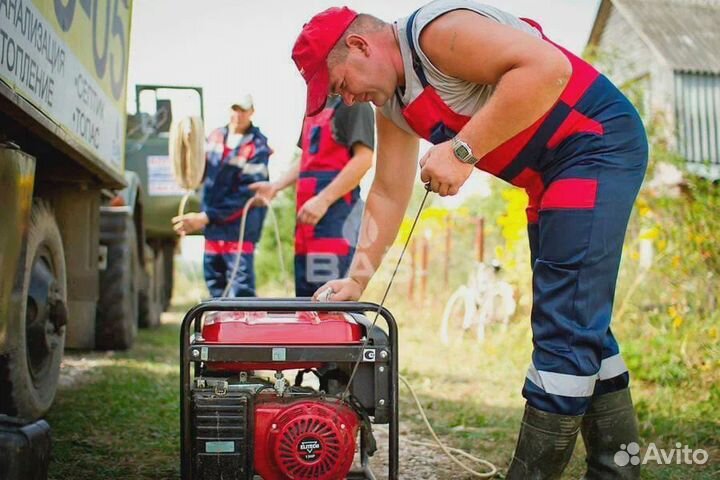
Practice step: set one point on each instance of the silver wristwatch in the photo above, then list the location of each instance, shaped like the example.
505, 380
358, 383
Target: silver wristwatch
463, 152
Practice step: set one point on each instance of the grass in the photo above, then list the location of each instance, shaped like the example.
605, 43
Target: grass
119, 420
472, 394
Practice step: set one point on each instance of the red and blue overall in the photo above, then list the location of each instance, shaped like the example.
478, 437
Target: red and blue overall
581, 164
228, 173
324, 251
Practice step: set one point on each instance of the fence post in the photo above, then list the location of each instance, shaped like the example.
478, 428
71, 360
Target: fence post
480, 239
425, 261
413, 260
448, 247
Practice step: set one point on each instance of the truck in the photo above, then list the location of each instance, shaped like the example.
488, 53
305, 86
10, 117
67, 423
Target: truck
86, 253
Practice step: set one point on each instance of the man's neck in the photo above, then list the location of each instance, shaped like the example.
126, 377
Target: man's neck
237, 129
396, 57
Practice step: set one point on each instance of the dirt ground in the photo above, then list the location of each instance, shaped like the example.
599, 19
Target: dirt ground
416, 461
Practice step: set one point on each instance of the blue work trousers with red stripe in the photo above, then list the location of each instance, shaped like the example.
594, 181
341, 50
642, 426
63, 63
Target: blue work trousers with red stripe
218, 271
590, 185
222, 247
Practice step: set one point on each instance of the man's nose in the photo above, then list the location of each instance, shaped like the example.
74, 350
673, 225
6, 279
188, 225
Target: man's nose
348, 98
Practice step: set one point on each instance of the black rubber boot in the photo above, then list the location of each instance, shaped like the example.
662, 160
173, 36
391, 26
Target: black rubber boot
609, 424
544, 446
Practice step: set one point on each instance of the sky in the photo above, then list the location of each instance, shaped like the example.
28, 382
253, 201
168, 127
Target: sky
229, 47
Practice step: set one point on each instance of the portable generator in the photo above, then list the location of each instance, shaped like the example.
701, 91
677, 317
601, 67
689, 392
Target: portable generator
247, 411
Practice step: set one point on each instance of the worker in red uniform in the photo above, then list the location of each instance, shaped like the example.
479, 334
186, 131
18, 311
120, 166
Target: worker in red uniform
337, 148
490, 91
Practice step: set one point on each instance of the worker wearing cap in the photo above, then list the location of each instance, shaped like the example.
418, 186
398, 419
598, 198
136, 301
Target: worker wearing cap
490, 91
236, 156
337, 148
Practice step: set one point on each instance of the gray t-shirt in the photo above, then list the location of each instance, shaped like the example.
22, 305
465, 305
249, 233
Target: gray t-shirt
351, 124
461, 96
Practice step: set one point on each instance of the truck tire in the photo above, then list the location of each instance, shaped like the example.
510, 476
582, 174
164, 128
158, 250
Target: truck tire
117, 319
37, 335
150, 293
168, 249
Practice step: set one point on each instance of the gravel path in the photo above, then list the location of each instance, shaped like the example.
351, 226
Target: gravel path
417, 462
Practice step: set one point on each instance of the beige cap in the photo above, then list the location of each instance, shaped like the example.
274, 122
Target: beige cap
244, 102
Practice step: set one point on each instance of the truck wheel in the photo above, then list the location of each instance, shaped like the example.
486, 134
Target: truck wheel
37, 338
116, 322
150, 293
168, 250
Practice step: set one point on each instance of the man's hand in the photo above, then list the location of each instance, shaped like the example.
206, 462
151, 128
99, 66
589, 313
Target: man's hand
343, 290
189, 223
443, 171
313, 210
264, 190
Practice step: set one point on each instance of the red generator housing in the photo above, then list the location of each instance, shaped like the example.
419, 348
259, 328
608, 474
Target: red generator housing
286, 389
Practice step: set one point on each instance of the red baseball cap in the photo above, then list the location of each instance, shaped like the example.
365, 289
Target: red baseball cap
316, 40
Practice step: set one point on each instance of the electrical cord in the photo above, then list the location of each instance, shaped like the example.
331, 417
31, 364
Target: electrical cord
195, 273
387, 290
241, 238
448, 450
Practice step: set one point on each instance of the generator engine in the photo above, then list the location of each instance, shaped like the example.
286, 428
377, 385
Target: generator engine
305, 439
266, 396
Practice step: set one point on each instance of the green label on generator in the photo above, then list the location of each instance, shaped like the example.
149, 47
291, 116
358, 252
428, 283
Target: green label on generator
219, 447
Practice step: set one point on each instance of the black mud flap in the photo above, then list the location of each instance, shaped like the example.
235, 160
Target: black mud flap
24, 450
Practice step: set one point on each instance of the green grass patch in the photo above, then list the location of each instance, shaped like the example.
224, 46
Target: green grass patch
120, 419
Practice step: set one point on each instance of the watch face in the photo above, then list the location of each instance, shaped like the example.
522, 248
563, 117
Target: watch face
462, 151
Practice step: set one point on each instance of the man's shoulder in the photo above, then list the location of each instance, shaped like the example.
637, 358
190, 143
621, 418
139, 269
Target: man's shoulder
258, 136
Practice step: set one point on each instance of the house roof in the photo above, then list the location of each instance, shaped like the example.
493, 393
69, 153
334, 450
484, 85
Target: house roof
684, 34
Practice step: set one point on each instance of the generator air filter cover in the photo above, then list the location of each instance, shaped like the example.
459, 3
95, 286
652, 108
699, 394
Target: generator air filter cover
222, 429
308, 440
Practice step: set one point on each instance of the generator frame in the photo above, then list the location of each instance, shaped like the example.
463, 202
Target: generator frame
194, 351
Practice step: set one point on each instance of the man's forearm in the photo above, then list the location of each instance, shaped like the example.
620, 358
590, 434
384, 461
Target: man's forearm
389, 195
381, 222
350, 176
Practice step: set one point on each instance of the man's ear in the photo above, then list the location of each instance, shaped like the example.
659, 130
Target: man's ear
358, 42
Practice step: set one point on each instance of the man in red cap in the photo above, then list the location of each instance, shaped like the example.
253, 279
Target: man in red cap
490, 91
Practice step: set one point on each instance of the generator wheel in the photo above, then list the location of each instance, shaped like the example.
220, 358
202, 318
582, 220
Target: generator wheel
116, 322
35, 345
150, 295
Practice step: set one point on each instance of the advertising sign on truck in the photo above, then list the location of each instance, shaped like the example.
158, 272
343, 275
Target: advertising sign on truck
68, 58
